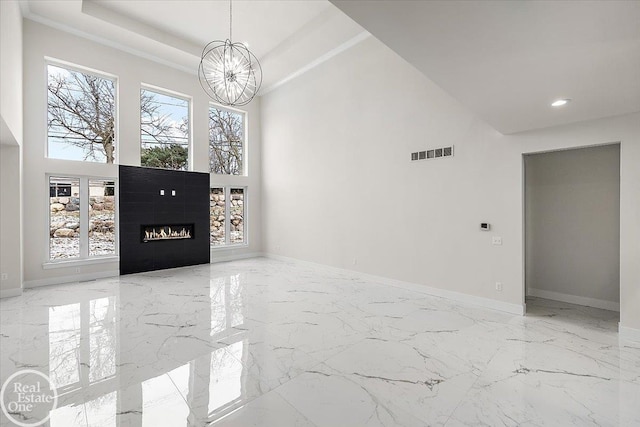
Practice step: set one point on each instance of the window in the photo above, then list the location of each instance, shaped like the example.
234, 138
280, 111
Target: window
81, 218
236, 218
81, 115
164, 130
64, 218
227, 216
102, 217
217, 217
226, 141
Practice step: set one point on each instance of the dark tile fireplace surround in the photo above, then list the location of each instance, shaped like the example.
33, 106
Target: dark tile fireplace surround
164, 219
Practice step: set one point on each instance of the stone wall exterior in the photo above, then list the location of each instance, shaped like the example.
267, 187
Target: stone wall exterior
217, 217
64, 226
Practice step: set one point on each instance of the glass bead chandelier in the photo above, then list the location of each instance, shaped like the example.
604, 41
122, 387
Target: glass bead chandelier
229, 73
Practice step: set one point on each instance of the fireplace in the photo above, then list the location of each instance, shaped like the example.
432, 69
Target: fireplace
148, 209
159, 233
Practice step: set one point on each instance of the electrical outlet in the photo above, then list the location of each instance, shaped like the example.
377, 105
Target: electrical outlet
499, 286
496, 240
5, 276
355, 261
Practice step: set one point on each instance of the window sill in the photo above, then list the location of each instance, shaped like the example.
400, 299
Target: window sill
76, 262
229, 247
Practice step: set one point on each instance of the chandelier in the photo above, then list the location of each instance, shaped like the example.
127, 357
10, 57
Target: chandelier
229, 73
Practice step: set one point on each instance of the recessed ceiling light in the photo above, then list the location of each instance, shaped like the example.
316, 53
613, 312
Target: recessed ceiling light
560, 102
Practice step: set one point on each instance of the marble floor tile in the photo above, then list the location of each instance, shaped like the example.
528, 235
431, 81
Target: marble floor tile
330, 399
269, 410
275, 343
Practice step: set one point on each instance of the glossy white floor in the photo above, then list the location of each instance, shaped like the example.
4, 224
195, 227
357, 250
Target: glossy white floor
269, 343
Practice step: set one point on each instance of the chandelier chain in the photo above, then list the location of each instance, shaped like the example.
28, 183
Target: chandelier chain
230, 19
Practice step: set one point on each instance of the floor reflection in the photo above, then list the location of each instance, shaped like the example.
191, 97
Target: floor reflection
129, 354
269, 343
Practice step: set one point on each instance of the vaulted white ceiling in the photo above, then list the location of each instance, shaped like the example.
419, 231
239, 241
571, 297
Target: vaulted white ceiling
504, 60
285, 35
508, 60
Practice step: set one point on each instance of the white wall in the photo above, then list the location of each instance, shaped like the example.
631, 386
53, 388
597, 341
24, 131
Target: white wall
573, 225
338, 186
10, 221
41, 41
11, 68
10, 148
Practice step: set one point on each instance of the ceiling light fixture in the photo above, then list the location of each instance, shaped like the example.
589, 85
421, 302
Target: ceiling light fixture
229, 73
560, 102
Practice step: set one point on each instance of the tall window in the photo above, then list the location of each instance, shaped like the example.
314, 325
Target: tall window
226, 141
227, 214
81, 116
81, 218
164, 130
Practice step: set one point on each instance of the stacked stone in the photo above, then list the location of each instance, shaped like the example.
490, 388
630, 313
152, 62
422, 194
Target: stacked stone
216, 218
65, 216
236, 217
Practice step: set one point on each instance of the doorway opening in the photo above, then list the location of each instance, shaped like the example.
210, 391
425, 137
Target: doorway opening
572, 234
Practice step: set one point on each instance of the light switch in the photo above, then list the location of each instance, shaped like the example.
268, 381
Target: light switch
496, 240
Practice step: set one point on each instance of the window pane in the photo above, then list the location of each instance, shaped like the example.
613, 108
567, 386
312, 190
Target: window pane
216, 216
226, 141
64, 218
236, 216
164, 131
102, 218
81, 110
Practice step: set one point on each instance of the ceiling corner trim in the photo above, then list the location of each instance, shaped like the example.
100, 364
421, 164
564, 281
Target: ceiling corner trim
330, 54
109, 43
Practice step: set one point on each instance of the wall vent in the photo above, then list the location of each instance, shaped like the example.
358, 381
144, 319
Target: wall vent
434, 153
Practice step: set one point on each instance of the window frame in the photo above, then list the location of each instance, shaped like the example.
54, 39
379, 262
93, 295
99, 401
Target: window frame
84, 70
245, 139
227, 221
85, 258
174, 94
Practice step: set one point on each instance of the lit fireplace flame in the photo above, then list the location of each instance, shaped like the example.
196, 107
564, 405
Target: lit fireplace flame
164, 233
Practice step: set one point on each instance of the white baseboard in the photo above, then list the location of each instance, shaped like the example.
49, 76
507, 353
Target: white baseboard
630, 334
70, 279
232, 257
8, 293
428, 290
574, 299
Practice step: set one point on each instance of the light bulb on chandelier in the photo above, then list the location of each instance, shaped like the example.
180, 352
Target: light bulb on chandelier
229, 73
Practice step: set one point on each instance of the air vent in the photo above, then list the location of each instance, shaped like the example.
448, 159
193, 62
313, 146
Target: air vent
434, 153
